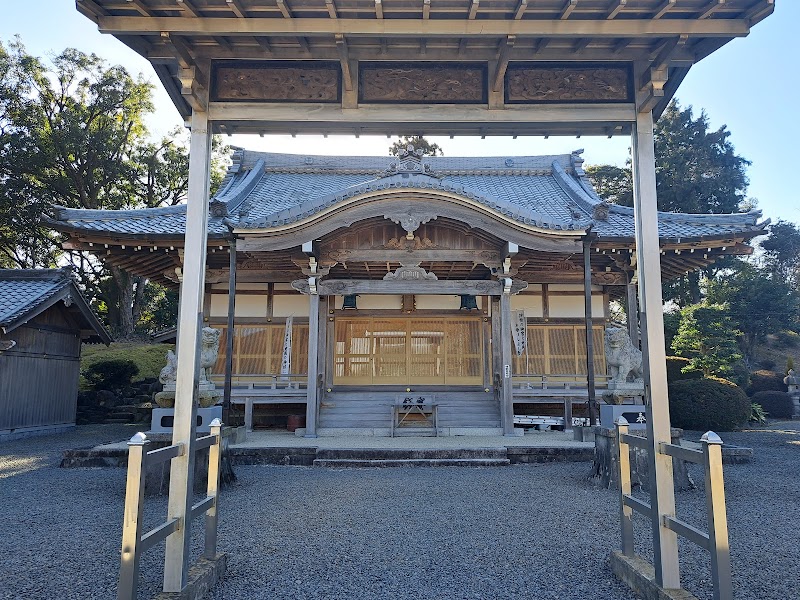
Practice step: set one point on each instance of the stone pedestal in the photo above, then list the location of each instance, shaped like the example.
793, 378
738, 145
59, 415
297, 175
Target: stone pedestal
606, 461
633, 413
792, 382
157, 476
162, 419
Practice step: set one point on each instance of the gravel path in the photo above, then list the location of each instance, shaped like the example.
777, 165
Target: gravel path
526, 531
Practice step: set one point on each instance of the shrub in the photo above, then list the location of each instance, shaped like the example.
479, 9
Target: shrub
767, 363
765, 381
111, 374
675, 366
778, 405
757, 414
787, 339
708, 404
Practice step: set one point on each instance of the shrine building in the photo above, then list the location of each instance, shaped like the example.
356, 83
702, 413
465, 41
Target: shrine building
399, 265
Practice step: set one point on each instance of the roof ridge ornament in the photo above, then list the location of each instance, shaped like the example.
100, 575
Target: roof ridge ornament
409, 162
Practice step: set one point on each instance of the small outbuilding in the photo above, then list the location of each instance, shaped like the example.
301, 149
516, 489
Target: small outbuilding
43, 320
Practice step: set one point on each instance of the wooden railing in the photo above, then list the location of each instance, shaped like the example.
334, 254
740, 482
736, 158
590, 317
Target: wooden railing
134, 544
716, 540
544, 381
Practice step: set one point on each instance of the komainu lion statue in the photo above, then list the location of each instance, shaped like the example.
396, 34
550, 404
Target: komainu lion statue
622, 358
209, 350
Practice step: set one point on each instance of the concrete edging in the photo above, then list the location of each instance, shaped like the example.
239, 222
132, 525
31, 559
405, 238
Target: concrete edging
639, 575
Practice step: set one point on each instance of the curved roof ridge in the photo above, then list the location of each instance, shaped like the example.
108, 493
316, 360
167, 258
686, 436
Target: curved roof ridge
748, 218
413, 181
62, 213
235, 194
574, 190
275, 160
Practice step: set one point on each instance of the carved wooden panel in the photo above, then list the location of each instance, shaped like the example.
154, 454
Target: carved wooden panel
561, 83
422, 83
276, 81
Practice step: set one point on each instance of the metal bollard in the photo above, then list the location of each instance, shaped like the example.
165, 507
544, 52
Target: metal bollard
717, 517
626, 512
214, 458
132, 519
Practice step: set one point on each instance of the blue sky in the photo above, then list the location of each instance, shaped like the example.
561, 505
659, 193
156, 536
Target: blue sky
750, 85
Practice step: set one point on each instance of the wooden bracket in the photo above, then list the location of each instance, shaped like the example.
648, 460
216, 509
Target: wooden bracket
195, 93
502, 62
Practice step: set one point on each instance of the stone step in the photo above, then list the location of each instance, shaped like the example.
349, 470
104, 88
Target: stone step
116, 421
432, 462
369, 454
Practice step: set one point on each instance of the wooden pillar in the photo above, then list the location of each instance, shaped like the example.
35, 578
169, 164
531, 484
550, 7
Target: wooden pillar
662, 490
313, 351
587, 303
507, 403
190, 319
633, 313
226, 398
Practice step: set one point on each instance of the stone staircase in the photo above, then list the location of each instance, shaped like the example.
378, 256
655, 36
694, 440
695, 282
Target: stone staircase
373, 411
400, 457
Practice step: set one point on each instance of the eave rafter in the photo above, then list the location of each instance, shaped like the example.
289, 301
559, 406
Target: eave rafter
321, 27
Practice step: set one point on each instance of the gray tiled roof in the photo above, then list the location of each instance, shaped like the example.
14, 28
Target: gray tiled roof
25, 293
264, 189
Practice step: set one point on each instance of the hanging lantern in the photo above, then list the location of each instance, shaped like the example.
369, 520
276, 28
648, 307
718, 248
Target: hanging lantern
349, 302
468, 302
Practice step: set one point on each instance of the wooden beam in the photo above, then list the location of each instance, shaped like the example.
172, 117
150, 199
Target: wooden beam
759, 12
473, 10
91, 9
502, 62
379, 9
616, 8
664, 56
426, 9
322, 27
713, 7
621, 45
344, 60
237, 8
580, 45
665, 8
521, 8
329, 4
568, 8
187, 7
344, 287
223, 42
263, 43
180, 49
143, 10
284, 8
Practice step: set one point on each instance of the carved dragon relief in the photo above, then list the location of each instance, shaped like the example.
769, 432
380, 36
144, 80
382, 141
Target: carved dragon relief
409, 245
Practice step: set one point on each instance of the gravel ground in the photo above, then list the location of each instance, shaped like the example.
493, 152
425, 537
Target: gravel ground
526, 531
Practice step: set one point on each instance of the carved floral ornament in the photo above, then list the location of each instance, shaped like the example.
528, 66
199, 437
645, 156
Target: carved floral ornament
410, 221
410, 272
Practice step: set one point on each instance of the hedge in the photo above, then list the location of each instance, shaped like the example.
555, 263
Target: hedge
675, 364
708, 404
765, 381
777, 405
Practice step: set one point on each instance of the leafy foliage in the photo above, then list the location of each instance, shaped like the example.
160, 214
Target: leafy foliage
765, 381
778, 405
707, 337
419, 142
708, 404
111, 374
72, 134
679, 369
697, 171
757, 414
758, 303
782, 253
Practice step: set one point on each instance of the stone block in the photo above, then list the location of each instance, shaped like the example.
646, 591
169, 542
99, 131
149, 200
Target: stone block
162, 419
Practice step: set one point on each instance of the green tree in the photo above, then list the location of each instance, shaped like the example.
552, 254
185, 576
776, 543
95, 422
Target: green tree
758, 303
707, 337
697, 171
73, 135
782, 252
419, 142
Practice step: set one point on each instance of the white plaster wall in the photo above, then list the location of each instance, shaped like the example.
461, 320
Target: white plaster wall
572, 306
438, 302
532, 305
294, 305
246, 306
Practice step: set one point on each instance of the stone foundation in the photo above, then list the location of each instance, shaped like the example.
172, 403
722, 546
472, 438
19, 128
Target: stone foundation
605, 468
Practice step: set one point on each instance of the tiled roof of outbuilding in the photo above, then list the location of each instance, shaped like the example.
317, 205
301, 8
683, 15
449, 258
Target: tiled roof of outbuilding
25, 293
262, 190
